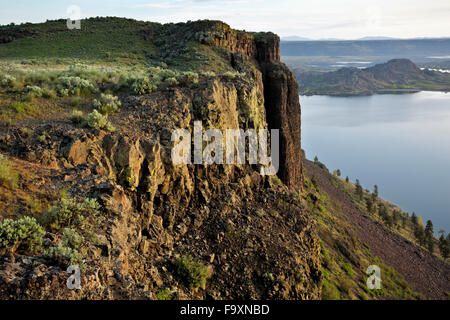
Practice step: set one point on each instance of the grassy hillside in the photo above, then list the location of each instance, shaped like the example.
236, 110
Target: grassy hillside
46, 69
109, 41
98, 39
359, 229
345, 257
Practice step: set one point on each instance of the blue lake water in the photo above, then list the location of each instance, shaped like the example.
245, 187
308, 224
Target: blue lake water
401, 142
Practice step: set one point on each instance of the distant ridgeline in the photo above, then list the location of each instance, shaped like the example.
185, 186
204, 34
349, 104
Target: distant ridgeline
397, 75
411, 48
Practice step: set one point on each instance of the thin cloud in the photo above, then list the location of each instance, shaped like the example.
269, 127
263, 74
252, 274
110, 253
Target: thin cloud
201, 4
160, 6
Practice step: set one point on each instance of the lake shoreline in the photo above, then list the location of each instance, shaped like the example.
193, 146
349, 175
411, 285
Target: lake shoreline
384, 139
367, 94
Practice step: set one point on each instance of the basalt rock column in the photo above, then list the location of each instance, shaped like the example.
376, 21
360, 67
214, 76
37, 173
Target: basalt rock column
282, 108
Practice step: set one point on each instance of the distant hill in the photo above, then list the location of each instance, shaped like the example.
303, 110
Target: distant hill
295, 38
375, 38
395, 75
409, 49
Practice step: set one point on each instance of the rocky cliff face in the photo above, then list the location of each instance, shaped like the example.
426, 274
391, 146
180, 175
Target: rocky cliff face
264, 47
249, 230
280, 90
283, 111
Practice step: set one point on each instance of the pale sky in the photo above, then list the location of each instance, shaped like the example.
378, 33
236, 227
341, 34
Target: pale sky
348, 19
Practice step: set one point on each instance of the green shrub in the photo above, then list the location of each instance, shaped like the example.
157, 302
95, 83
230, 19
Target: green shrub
72, 239
77, 117
34, 91
8, 177
48, 93
74, 86
29, 97
107, 103
232, 75
314, 182
99, 121
188, 78
11, 82
142, 85
64, 255
8, 80
208, 74
164, 294
22, 234
172, 81
194, 274
67, 212
163, 74
155, 76
78, 69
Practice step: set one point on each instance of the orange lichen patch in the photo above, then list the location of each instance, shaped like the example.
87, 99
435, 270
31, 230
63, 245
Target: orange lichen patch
33, 193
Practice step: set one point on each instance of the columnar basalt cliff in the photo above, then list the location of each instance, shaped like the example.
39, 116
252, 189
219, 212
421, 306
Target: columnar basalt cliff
250, 231
264, 47
283, 111
280, 90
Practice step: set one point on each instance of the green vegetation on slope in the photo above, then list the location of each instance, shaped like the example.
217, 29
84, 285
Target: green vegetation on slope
111, 42
105, 39
394, 218
46, 68
344, 257
41, 91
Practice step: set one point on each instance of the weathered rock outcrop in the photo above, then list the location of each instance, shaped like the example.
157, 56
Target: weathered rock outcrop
280, 89
264, 47
283, 112
282, 108
156, 211
251, 231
